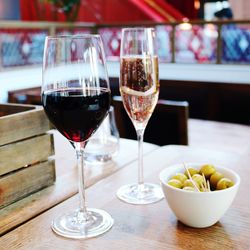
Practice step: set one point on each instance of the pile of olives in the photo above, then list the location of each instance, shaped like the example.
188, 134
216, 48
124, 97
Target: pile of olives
216, 180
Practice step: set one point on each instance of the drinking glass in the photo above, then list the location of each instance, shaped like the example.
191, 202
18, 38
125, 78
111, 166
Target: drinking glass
104, 145
139, 87
76, 98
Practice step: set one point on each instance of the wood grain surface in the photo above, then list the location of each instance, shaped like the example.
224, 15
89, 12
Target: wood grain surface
221, 136
66, 181
18, 126
151, 226
17, 185
20, 154
137, 227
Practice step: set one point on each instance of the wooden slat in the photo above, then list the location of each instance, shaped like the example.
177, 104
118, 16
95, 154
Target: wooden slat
8, 109
18, 184
22, 125
26, 152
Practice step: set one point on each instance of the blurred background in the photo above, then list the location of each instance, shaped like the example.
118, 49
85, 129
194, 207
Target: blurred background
179, 40
201, 43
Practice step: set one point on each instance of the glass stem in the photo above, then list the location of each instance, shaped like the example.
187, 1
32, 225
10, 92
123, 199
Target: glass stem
140, 133
82, 215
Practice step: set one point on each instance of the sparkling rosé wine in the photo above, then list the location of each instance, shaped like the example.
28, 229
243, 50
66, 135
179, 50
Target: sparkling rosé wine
139, 87
76, 113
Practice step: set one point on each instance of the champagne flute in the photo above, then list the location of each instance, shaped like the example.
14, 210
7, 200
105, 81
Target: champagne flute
139, 87
76, 98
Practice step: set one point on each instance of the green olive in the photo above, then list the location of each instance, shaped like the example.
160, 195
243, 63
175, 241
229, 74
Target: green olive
214, 179
189, 189
224, 183
207, 170
181, 177
192, 171
175, 183
198, 179
188, 183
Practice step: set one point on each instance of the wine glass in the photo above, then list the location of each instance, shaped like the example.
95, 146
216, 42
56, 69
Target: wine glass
76, 98
139, 87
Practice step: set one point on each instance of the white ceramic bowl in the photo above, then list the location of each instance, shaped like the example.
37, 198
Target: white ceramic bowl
198, 209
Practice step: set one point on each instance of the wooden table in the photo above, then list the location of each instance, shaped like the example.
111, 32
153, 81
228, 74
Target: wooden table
220, 136
152, 226
66, 184
141, 227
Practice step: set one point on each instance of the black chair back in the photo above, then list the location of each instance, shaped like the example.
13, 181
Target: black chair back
167, 125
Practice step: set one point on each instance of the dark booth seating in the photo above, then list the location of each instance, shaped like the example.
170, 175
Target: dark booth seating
167, 125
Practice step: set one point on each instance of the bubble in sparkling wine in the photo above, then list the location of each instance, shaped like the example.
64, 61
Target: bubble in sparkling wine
139, 87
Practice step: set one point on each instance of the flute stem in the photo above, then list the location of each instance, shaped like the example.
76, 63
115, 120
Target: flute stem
140, 134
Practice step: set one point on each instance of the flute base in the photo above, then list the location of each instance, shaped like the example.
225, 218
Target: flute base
75, 226
140, 194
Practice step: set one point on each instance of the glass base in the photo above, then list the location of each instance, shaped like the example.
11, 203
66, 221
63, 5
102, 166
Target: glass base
146, 193
100, 150
97, 159
75, 225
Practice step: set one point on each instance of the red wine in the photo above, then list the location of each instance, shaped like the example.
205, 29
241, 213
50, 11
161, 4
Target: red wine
76, 113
